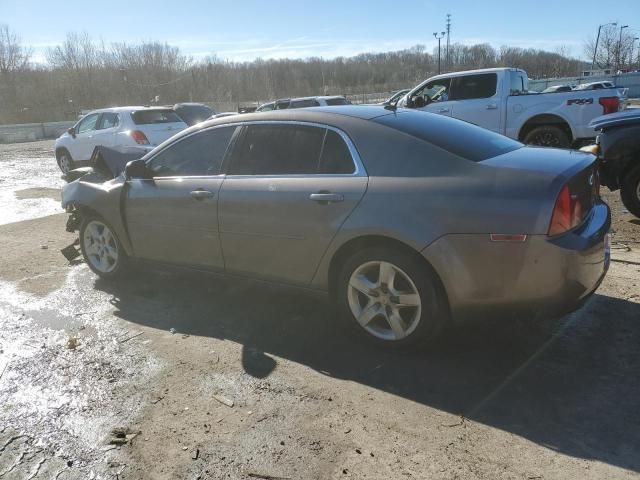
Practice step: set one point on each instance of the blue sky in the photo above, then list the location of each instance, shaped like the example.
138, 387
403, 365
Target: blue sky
246, 29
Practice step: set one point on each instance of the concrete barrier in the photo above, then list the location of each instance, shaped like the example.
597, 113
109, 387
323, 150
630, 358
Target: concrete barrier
29, 132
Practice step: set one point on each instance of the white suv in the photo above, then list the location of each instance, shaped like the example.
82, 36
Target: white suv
123, 128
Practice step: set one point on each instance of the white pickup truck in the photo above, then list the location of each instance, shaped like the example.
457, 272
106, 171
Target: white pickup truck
498, 99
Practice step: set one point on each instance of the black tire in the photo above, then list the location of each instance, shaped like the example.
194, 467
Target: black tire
630, 191
548, 136
65, 161
113, 268
432, 316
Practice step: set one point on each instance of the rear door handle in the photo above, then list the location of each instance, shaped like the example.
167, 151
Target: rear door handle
201, 194
326, 197
492, 106
443, 110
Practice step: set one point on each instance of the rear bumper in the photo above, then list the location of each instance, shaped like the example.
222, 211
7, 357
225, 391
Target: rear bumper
540, 277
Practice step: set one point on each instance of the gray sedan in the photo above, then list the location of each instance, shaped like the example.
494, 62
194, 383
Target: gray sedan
409, 220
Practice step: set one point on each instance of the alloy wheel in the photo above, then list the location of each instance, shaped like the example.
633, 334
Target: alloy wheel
384, 300
100, 246
65, 163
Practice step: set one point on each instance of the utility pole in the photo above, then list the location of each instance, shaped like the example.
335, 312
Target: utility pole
631, 56
435, 34
595, 50
620, 48
448, 59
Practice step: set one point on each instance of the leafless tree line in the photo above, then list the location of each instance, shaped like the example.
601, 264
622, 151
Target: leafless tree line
614, 50
83, 74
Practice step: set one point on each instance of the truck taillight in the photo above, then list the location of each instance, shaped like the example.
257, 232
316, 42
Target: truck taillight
609, 104
568, 212
139, 137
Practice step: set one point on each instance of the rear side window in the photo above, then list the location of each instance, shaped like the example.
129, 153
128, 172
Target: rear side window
290, 150
108, 120
310, 102
455, 136
278, 150
337, 101
469, 87
149, 117
199, 154
336, 158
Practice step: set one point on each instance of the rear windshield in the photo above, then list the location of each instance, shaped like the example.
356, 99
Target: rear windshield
146, 117
337, 101
192, 114
460, 138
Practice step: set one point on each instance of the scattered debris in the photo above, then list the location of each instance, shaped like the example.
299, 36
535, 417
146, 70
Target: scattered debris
121, 436
266, 476
196, 454
73, 343
348, 430
157, 399
131, 337
224, 400
172, 331
44, 247
71, 252
4, 368
185, 335
358, 451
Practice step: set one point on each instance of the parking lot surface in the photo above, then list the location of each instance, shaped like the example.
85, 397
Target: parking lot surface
176, 375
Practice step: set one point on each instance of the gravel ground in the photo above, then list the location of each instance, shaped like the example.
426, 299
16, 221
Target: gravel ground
94, 383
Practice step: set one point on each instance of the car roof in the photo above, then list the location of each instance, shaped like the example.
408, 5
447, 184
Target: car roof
127, 109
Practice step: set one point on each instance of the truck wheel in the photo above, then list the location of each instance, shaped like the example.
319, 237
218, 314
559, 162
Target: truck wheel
630, 191
548, 136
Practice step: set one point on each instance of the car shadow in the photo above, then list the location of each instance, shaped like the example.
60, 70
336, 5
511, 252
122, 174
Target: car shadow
579, 396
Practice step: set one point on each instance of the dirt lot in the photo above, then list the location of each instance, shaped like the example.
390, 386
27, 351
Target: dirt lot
206, 378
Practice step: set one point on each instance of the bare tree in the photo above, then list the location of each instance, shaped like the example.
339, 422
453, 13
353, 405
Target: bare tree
13, 56
612, 49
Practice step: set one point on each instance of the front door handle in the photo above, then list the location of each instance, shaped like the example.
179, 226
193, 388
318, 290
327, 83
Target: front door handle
443, 110
201, 194
326, 197
492, 106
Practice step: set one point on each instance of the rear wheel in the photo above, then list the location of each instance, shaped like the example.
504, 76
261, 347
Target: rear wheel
101, 248
390, 298
630, 191
65, 162
548, 136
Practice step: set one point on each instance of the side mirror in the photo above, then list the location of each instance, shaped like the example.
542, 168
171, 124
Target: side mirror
137, 169
72, 132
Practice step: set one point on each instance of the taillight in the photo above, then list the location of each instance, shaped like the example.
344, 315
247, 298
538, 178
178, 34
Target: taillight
139, 137
568, 212
609, 104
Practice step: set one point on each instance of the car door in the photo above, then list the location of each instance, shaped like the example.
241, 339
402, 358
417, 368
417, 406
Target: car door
106, 129
173, 217
288, 190
81, 147
475, 100
433, 97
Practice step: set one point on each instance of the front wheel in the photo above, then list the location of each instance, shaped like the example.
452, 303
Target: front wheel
548, 136
630, 191
65, 162
390, 298
101, 248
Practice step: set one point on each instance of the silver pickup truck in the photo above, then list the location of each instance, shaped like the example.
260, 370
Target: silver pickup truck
498, 99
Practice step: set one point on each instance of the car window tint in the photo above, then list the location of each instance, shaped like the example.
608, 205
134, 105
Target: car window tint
108, 120
310, 102
336, 158
147, 117
460, 138
88, 123
278, 150
469, 87
337, 101
198, 154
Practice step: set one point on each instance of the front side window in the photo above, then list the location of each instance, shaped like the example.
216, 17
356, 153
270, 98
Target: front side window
435, 91
199, 154
88, 123
108, 120
469, 87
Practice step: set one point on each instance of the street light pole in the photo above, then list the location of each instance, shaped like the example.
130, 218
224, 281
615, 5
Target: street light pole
595, 50
631, 56
439, 38
620, 47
